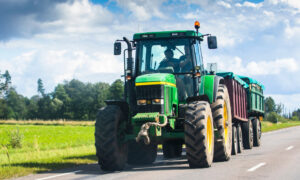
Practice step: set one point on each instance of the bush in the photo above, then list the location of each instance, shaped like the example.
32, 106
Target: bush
16, 138
273, 117
295, 118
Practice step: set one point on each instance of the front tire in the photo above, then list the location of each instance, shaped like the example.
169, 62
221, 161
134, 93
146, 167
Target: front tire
199, 134
109, 138
222, 118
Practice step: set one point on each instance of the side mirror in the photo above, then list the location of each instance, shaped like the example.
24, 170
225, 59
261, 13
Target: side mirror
212, 42
117, 48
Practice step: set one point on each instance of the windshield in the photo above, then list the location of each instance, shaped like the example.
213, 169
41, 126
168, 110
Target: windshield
164, 56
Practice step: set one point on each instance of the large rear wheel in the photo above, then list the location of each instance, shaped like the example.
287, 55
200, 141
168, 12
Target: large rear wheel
111, 148
199, 134
222, 118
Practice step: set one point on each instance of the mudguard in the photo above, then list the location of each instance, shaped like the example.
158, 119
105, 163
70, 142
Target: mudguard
209, 85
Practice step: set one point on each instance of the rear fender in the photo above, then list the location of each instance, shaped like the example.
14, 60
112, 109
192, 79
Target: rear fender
209, 86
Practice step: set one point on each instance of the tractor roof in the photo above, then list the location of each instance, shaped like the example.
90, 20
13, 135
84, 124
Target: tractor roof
166, 34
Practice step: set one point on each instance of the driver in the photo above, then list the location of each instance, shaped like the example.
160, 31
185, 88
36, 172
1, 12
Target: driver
170, 61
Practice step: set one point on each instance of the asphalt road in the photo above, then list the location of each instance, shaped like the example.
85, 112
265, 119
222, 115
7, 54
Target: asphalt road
277, 158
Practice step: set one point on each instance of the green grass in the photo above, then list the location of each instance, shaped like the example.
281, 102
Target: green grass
268, 126
44, 148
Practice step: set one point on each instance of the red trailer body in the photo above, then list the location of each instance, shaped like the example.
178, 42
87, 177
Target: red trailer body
238, 99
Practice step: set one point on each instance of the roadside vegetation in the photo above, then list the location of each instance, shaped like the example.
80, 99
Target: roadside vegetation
26, 148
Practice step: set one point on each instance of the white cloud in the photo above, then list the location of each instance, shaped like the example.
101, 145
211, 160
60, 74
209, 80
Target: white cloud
142, 9
224, 4
253, 5
292, 3
256, 68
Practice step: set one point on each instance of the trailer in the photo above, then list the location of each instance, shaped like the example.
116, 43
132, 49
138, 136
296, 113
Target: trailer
247, 108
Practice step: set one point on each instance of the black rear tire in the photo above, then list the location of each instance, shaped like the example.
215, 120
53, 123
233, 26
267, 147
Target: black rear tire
247, 134
139, 153
172, 148
240, 138
111, 148
222, 118
256, 132
234, 149
199, 134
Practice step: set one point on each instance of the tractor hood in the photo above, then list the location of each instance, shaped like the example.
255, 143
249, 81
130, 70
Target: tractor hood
156, 78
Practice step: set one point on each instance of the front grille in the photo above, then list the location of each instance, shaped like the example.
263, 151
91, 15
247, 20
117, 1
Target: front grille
149, 93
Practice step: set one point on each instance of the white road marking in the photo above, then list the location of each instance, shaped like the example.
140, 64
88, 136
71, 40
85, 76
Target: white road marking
50, 177
256, 167
289, 148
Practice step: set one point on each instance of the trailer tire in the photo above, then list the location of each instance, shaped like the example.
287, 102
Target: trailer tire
172, 148
234, 148
247, 134
240, 138
109, 135
199, 134
223, 121
139, 153
256, 132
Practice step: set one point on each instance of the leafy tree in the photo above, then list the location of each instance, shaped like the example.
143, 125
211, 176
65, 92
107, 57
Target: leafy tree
116, 90
270, 105
16, 104
41, 88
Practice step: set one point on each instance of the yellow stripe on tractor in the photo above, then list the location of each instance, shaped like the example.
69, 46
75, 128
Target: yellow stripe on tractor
154, 83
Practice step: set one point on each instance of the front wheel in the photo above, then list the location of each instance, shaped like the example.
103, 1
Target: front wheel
111, 148
199, 134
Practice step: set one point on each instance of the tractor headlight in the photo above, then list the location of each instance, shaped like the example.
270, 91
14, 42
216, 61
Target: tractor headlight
158, 101
141, 102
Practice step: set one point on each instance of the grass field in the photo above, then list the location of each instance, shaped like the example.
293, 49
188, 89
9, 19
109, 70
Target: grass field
50, 145
44, 148
268, 126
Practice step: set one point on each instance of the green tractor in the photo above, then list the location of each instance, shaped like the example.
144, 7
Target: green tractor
170, 99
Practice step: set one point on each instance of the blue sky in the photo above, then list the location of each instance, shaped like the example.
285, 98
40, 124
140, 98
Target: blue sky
59, 40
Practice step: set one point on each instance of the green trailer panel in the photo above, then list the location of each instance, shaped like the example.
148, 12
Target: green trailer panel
255, 96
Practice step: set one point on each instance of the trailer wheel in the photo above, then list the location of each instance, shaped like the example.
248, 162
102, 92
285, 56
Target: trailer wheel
256, 132
139, 153
234, 149
199, 134
111, 148
247, 134
172, 148
240, 138
223, 121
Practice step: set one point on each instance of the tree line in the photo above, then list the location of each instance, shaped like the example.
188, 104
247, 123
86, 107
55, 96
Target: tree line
74, 100
274, 112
